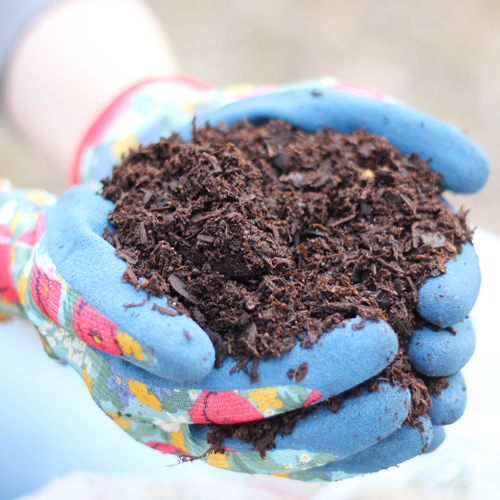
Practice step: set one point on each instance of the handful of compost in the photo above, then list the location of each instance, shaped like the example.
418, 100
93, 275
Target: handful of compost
148, 364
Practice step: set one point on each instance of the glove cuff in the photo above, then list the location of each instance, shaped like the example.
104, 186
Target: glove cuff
156, 108
142, 114
21, 225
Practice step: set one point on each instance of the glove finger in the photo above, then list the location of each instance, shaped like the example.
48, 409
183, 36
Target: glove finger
442, 353
402, 445
449, 298
464, 166
87, 296
343, 358
151, 415
324, 436
437, 439
449, 405
143, 413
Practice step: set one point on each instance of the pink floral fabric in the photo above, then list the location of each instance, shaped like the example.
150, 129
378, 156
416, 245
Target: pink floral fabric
212, 408
95, 329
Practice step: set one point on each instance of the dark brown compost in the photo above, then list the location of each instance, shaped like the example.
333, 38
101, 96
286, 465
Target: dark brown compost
267, 236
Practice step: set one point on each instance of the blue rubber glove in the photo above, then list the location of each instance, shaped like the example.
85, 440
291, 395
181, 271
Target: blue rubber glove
449, 151
145, 365
445, 300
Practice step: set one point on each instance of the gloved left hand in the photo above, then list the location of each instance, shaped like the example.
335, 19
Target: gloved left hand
150, 369
50, 240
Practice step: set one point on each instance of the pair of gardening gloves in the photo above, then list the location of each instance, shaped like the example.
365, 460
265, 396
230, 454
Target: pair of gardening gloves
153, 373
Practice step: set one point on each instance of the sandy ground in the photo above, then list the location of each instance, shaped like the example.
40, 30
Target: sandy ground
441, 57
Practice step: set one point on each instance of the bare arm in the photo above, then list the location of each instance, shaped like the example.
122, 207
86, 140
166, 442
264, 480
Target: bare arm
72, 61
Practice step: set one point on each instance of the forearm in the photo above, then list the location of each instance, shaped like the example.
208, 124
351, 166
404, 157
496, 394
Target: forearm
72, 61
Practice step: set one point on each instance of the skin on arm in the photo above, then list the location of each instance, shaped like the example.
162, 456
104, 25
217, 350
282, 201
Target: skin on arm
73, 61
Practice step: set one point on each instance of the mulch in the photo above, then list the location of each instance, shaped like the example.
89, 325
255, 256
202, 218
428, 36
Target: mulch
267, 236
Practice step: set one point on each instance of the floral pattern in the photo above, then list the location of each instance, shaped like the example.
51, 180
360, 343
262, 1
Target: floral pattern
8, 291
166, 448
120, 382
45, 290
312, 398
20, 227
211, 408
94, 329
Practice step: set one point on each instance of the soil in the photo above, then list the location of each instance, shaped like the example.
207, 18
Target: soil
266, 235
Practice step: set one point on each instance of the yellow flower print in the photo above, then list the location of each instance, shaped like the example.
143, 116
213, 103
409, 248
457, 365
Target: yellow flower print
118, 419
140, 391
180, 419
123, 146
240, 90
22, 284
59, 334
177, 440
38, 196
45, 345
265, 399
269, 412
304, 458
280, 474
218, 460
130, 346
15, 220
189, 105
87, 380
166, 425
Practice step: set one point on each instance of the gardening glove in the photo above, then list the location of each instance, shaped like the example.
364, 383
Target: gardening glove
157, 411
57, 269
156, 109
464, 169
444, 300
160, 412
127, 393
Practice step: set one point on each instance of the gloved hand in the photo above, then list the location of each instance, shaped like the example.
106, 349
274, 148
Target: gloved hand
150, 371
443, 301
157, 410
137, 377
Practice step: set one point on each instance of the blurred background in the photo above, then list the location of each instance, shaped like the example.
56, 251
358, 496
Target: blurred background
440, 57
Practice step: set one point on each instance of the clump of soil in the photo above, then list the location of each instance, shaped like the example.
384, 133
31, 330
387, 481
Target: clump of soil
266, 235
